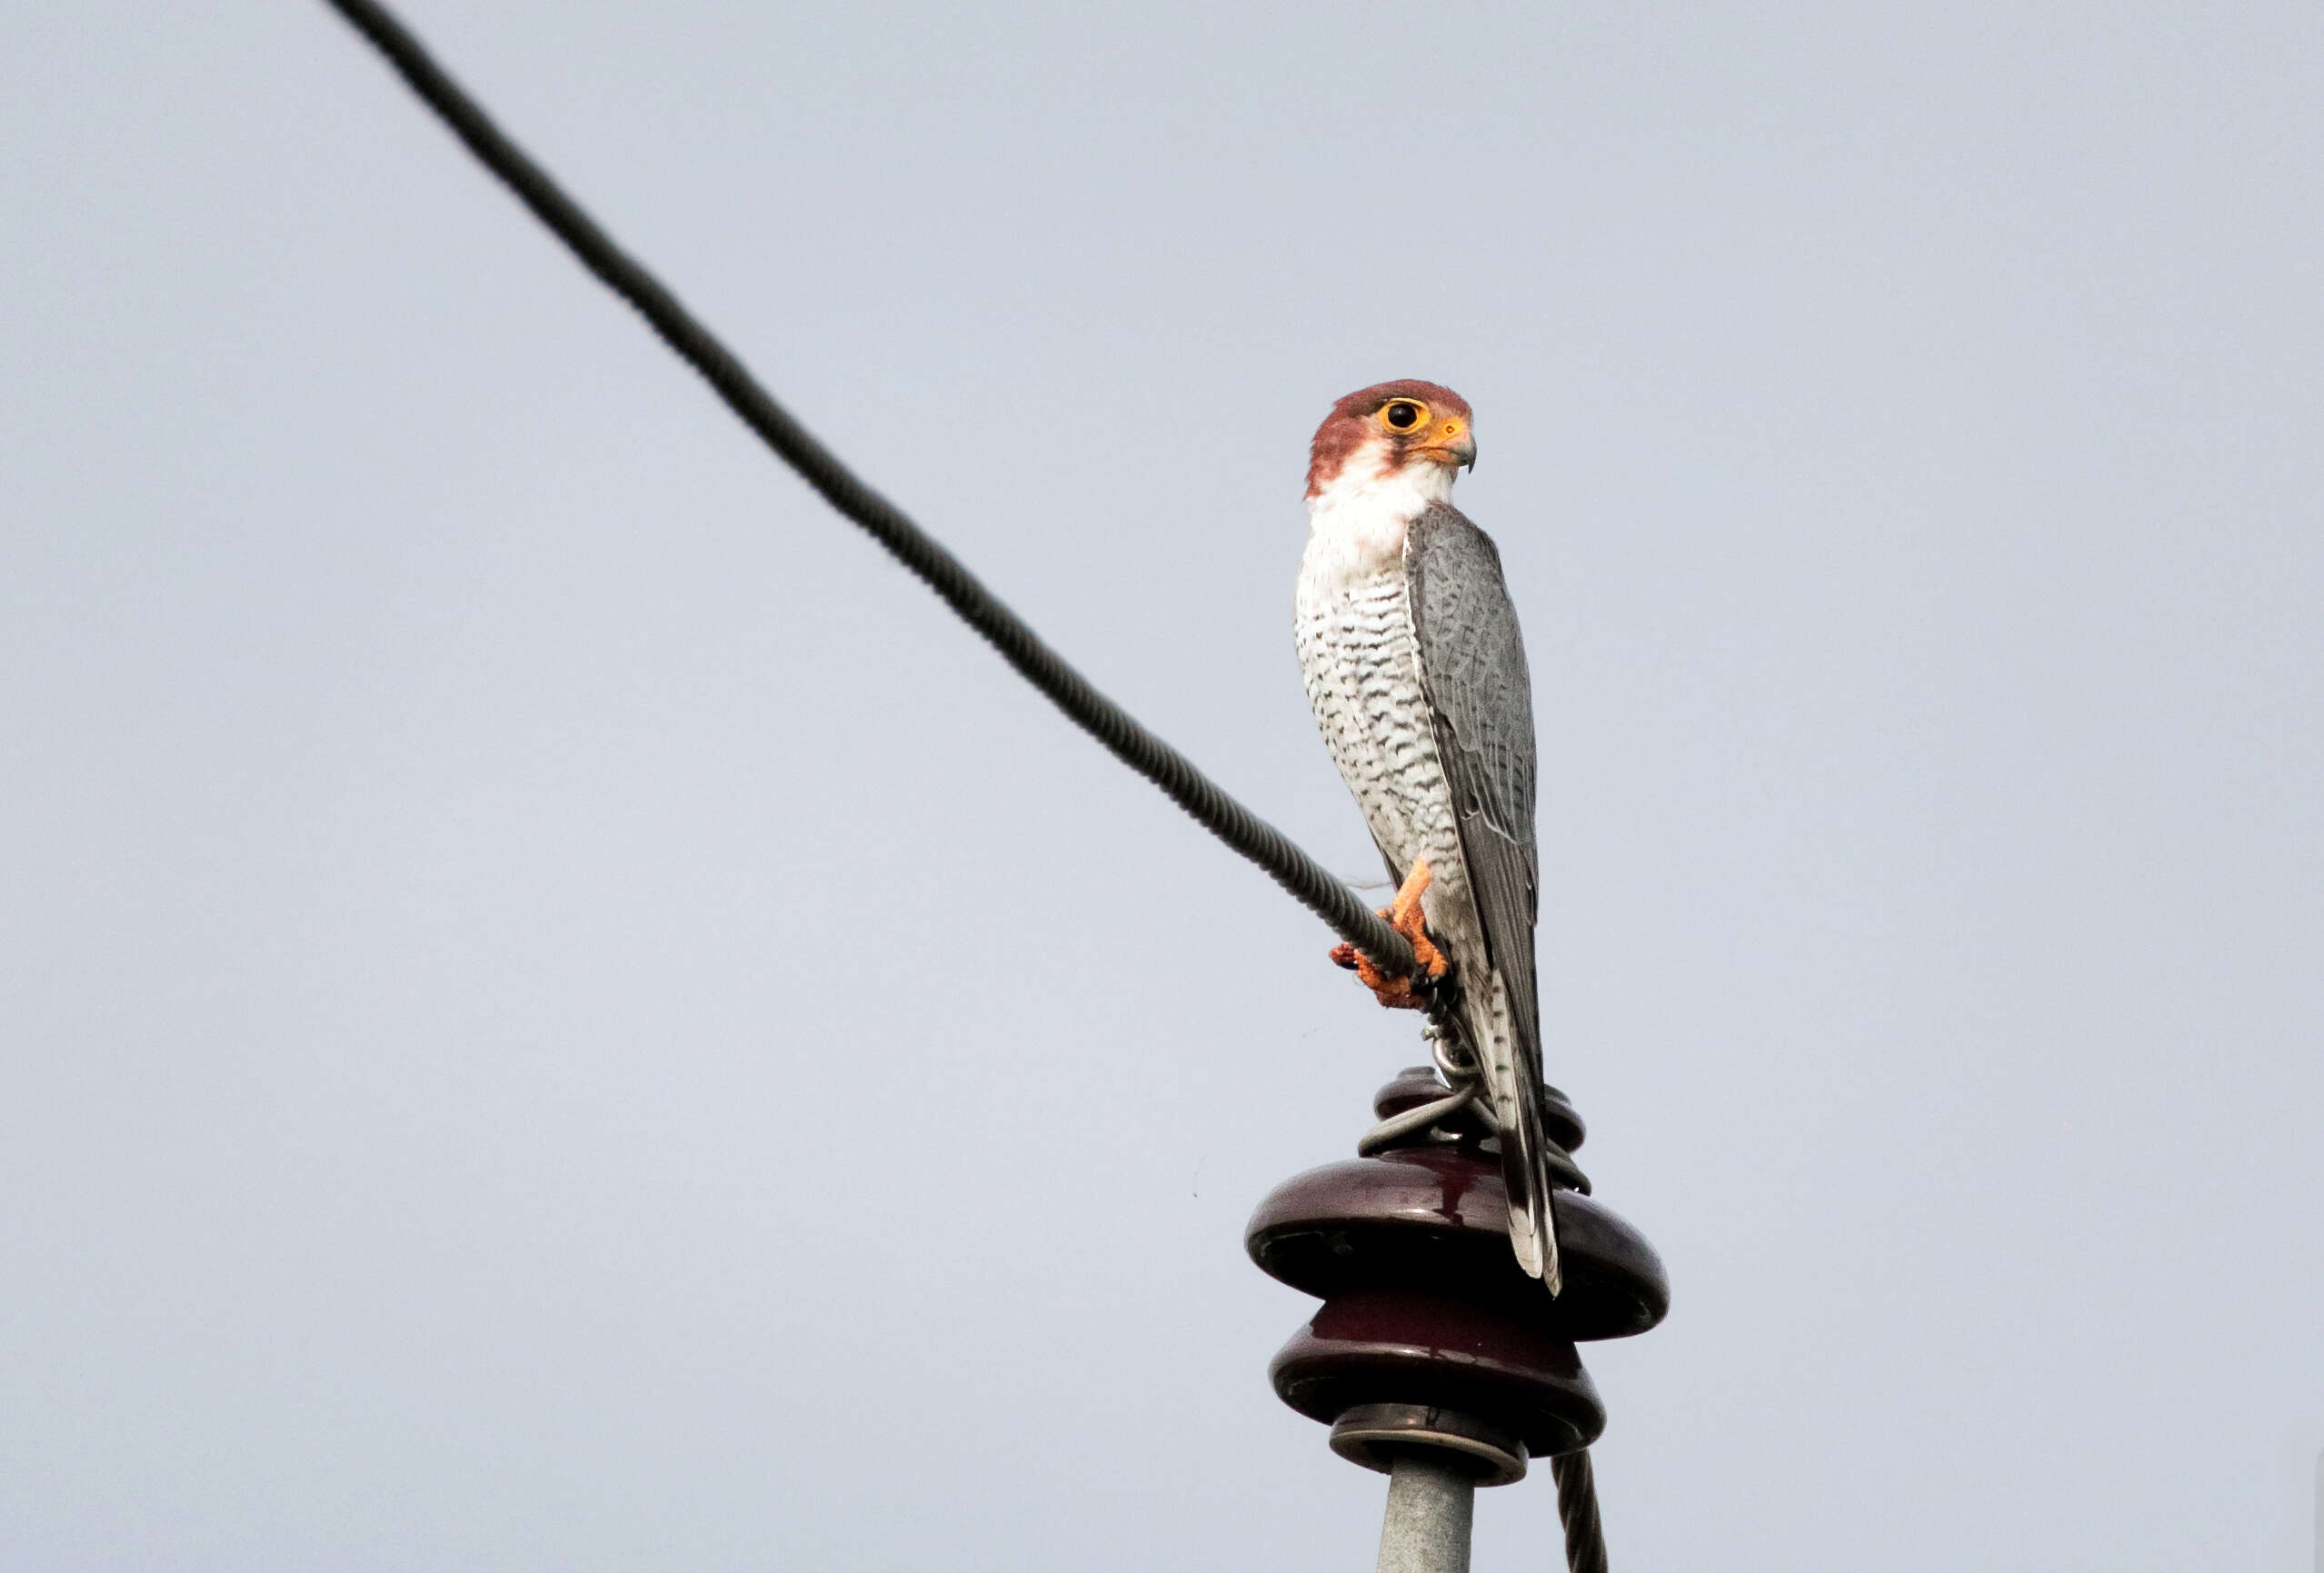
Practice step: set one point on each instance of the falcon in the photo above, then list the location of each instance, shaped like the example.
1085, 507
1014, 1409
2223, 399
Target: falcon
1414, 666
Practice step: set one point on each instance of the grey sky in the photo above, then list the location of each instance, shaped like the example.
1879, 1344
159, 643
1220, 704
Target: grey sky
559, 1013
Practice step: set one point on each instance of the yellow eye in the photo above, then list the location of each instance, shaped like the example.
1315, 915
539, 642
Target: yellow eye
1404, 416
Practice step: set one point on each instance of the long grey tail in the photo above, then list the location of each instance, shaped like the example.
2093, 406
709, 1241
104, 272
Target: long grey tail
1515, 1096
1525, 1171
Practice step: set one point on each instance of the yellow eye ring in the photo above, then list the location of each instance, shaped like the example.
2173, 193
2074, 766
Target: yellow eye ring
1404, 415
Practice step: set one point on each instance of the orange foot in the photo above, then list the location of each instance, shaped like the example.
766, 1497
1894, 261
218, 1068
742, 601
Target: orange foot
1403, 914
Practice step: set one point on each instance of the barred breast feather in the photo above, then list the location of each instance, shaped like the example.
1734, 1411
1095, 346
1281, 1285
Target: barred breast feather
1362, 666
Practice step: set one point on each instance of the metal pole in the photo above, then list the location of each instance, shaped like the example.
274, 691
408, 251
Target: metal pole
1430, 1503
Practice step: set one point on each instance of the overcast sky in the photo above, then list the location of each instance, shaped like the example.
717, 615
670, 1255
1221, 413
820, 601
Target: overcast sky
559, 1013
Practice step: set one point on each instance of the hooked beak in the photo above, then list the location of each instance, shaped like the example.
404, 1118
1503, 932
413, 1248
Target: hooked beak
1453, 444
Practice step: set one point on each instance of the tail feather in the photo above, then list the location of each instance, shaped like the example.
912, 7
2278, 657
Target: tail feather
1525, 1171
1513, 1081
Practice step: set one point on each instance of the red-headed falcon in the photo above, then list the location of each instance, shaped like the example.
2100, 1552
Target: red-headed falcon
1415, 668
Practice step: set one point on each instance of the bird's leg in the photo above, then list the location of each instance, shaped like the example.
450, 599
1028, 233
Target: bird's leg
1403, 915
1403, 991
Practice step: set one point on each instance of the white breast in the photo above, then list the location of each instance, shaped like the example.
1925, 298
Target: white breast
1361, 661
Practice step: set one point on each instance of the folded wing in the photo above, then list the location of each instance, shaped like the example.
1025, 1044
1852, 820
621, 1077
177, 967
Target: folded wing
1481, 700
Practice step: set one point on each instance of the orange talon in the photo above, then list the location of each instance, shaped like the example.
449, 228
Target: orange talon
1403, 915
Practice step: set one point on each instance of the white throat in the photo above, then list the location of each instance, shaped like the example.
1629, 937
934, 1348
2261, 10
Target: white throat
1356, 523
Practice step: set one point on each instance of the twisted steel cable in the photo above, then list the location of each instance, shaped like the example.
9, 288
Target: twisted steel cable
1309, 881
1585, 1532
1121, 733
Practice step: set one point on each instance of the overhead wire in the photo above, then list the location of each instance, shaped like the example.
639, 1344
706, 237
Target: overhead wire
1123, 734
1585, 1531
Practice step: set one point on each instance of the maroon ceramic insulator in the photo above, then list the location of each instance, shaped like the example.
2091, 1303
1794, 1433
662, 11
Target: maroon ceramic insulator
1392, 1346
1429, 1333
1432, 1214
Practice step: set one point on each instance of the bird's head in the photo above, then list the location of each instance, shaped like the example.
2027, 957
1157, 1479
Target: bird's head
1383, 431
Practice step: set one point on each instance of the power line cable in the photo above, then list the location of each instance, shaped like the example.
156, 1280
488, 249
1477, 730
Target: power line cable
1314, 886
1585, 1531
1121, 733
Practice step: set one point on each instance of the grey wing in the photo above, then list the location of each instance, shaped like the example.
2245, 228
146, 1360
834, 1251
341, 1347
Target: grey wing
1481, 698
1472, 666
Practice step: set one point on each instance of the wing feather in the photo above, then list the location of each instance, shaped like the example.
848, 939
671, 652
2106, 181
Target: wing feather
1481, 701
